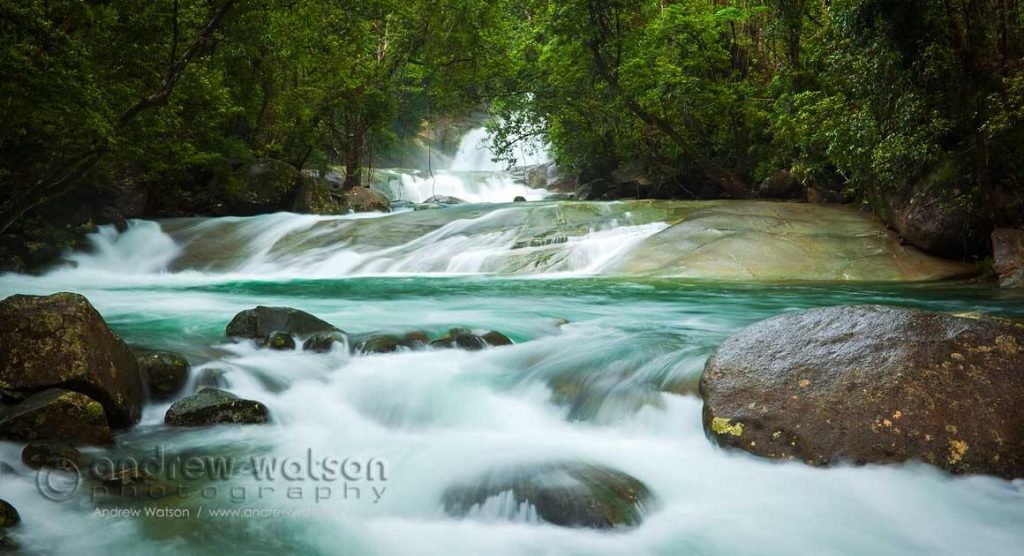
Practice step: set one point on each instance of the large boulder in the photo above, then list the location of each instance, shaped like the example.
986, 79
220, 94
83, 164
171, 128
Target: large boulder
313, 196
260, 322
1008, 257
211, 406
56, 414
939, 213
365, 199
872, 384
781, 185
262, 186
60, 341
165, 373
568, 494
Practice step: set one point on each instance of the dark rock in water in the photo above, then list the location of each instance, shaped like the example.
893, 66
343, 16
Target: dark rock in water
443, 200
1008, 257
55, 414
365, 199
417, 338
323, 343
390, 343
495, 339
165, 373
781, 185
60, 341
568, 494
8, 515
460, 338
52, 455
281, 341
130, 482
211, 406
519, 199
212, 378
261, 322
872, 384
7, 544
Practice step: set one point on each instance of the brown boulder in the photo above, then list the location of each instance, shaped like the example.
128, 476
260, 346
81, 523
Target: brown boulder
55, 414
365, 199
60, 341
1008, 257
872, 384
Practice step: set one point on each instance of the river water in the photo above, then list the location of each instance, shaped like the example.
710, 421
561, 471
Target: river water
632, 346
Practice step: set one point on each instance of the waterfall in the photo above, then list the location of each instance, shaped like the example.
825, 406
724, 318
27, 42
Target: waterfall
473, 176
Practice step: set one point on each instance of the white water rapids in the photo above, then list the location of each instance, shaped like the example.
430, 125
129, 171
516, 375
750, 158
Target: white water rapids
615, 386
472, 175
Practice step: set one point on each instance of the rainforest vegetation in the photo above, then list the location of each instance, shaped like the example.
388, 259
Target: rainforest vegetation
895, 104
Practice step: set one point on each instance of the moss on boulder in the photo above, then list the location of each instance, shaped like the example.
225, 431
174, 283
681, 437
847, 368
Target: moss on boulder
872, 384
60, 341
55, 414
211, 406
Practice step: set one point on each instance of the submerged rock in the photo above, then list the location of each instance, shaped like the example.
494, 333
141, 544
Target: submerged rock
1008, 257
52, 455
60, 341
280, 341
390, 343
165, 373
212, 378
260, 322
8, 515
872, 384
568, 494
323, 343
56, 414
461, 338
211, 406
496, 339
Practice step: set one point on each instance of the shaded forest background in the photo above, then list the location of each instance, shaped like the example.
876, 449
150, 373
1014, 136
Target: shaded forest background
112, 109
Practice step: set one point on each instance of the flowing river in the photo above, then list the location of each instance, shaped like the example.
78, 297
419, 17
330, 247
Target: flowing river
613, 309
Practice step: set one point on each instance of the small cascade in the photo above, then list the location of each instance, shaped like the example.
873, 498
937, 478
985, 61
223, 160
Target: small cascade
473, 175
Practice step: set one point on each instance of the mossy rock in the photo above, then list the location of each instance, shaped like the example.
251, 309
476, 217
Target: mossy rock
568, 494
211, 406
60, 341
260, 322
280, 341
323, 343
59, 415
872, 384
8, 515
165, 373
